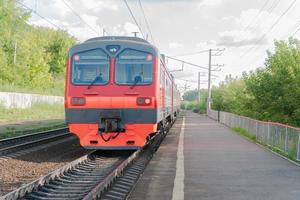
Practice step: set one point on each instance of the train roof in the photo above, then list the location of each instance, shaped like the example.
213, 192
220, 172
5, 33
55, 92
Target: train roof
122, 42
117, 38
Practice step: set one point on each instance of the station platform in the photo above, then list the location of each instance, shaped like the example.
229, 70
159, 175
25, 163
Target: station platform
202, 159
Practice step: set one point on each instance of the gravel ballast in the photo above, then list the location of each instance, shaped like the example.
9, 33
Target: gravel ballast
16, 171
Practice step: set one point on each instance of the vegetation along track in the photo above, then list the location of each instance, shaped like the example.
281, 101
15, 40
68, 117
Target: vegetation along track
99, 175
21, 143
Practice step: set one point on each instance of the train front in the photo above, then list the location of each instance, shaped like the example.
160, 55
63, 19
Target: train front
110, 93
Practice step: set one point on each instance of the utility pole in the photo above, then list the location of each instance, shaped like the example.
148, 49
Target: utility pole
218, 53
103, 31
209, 79
199, 74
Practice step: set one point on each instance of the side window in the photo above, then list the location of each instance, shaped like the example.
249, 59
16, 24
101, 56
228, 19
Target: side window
161, 76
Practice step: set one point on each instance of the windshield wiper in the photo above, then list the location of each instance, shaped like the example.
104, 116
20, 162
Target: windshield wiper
97, 78
136, 80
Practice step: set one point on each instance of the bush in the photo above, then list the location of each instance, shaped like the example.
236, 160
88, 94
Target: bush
194, 106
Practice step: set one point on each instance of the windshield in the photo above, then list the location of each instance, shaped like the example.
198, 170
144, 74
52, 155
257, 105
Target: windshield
90, 67
134, 68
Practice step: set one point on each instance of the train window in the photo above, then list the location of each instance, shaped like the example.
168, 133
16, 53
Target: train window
162, 75
90, 67
134, 68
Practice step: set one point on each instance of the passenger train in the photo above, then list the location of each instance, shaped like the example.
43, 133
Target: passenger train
118, 93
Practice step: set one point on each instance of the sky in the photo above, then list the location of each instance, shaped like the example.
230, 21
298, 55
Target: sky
244, 29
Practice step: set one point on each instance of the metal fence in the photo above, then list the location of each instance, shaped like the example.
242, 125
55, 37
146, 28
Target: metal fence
23, 100
279, 136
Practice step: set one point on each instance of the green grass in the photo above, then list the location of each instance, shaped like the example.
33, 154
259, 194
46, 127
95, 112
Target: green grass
57, 89
244, 133
13, 130
40, 117
252, 137
36, 112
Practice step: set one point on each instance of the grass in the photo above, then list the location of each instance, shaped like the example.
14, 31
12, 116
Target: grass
13, 130
40, 117
244, 133
252, 137
57, 89
36, 112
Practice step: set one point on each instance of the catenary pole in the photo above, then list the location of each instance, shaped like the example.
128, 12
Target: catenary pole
209, 82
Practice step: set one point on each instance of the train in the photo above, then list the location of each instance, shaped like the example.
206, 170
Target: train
118, 93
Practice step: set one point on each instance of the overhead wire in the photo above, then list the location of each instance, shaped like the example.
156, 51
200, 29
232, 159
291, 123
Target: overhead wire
297, 29
257, 15
36, 13
134, 19
192, 53
147, 23
271, 28
185, 62
78, 15
247, 28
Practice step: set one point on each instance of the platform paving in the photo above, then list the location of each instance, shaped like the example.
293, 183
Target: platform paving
218, 164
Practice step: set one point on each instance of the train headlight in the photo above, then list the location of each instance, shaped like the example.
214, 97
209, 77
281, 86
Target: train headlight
78, 101
143, 101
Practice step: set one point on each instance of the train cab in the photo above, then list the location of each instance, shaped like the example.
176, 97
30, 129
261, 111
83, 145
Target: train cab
113, 92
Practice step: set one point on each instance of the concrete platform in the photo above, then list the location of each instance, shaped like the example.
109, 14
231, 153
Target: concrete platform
215, 163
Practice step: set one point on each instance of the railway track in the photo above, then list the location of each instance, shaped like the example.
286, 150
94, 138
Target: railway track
21, 143
94, 176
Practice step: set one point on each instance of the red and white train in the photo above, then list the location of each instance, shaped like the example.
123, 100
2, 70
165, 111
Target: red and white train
118, 93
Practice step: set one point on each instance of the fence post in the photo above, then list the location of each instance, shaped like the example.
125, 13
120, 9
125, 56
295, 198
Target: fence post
286, 140
268, 137
256, 129
298, 147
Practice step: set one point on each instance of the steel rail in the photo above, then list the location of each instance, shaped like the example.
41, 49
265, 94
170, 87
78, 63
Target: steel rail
89, 177
12, 145
25, 189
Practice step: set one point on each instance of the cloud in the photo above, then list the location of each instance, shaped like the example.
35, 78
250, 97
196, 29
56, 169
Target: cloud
238, 38
251, 18
126, 29
206, 45
251, 25
175, 45
93, 5
210, 3
228, 18
230, 41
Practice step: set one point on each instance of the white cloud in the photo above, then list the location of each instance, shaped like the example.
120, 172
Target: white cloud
175, 45
228, 18
210, 3
252, 19
122, 29
254, 28
206, 45
94, 5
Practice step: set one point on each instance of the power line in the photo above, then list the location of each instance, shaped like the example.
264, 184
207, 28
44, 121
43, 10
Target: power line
270, 9
44, 18
258, 14
297, 30
271, 28
185, 62
134, 19
145, 18
78, 15
191, 53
